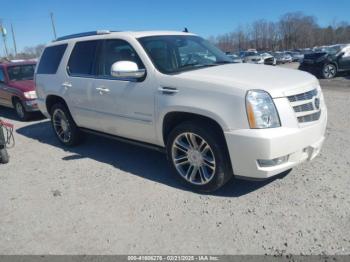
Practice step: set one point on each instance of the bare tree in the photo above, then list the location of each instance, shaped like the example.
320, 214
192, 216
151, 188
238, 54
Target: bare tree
292, 31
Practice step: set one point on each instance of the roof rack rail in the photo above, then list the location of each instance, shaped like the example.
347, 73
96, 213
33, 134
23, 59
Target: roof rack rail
91, 33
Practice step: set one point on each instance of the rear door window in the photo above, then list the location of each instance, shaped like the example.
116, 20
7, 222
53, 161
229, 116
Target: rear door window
50, 59
82, 59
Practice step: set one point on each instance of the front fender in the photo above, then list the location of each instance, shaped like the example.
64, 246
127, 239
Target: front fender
186, 109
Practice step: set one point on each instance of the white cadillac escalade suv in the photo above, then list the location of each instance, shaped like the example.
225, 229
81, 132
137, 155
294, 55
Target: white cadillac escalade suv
176, 92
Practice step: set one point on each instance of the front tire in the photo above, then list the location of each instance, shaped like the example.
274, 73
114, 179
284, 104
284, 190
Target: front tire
329, 71
21, 112
64, 126
198, 156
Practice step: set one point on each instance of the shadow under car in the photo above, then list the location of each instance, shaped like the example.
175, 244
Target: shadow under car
136, 160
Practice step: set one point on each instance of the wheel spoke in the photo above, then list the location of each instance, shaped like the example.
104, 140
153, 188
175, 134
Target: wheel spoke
181, 160
192, 172
57, 123
181, 146
192, 140
60, 133
203, 147
209, 163
203, 174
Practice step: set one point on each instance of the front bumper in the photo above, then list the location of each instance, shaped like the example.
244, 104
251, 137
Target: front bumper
31, 105
315, 68
247, 146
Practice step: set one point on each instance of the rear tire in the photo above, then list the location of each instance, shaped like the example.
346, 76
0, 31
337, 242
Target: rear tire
329, 71
4, 157
198, 156
64, 126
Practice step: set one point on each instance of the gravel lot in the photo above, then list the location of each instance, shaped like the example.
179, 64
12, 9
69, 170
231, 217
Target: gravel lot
106, 197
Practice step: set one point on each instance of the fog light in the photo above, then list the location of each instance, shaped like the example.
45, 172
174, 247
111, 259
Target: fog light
272, 162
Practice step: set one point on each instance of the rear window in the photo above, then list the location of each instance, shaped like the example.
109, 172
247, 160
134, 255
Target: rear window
82, 59
51, 58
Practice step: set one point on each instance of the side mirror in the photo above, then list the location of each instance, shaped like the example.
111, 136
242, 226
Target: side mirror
127, 69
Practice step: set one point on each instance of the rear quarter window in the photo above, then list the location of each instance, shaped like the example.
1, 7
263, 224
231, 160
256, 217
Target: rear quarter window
50, 59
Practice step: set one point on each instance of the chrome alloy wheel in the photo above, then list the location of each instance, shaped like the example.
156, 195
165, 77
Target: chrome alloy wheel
193, 158
329, 71
61, 126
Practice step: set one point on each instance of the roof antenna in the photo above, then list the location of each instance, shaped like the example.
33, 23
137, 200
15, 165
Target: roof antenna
185, 30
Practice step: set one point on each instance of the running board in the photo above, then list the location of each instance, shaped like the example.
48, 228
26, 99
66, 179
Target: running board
124, 140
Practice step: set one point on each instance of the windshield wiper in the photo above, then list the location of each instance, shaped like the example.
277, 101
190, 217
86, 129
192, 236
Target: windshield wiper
186, 65
196, 65
223, 62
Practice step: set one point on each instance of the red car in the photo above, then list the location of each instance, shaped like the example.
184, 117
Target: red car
17, 89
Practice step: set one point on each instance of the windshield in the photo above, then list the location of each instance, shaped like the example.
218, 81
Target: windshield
177, 53
333, 49
21, 72
250, 54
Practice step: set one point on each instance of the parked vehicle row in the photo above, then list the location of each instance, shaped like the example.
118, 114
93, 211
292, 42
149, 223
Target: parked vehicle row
267, 58
328, 62
323, 61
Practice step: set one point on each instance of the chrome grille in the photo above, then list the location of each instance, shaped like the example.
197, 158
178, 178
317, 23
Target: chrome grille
309, 118
306, 106
304, 96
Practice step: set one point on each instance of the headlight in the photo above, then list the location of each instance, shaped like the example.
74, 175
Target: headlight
30, 95
261, 110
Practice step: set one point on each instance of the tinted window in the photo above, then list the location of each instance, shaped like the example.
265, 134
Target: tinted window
2, 77
82, 59
176, 53
115, 50
51, 59
21, 72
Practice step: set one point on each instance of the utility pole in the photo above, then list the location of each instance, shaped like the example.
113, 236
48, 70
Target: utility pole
53, 25
14, 39
4, 33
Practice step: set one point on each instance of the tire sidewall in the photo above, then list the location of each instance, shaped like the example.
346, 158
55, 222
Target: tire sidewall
223, 170
75, 133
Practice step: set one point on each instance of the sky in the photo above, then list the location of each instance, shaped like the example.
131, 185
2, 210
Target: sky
32, 24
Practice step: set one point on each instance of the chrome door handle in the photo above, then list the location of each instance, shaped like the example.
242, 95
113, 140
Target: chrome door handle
168, 90
102, 89
66, 85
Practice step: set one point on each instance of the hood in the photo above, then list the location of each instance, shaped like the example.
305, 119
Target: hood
314, 56
279, 82
24, 85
